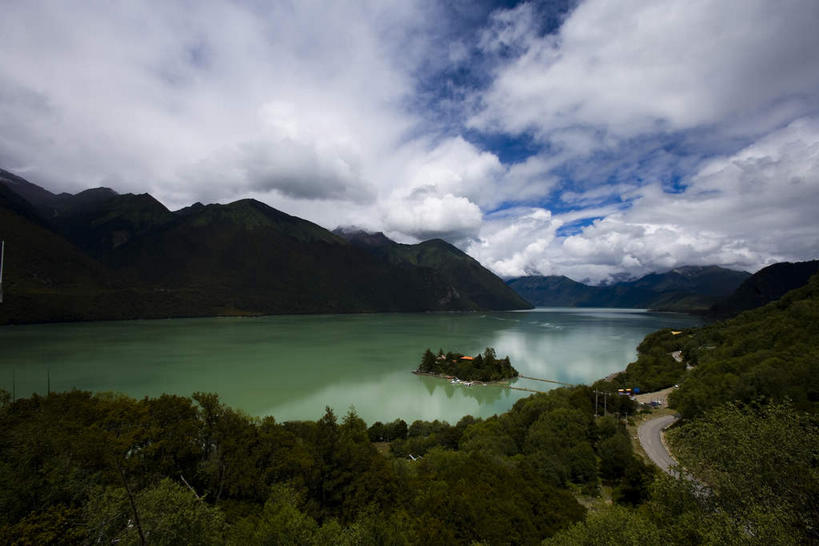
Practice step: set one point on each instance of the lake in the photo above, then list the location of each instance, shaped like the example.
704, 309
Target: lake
291, 367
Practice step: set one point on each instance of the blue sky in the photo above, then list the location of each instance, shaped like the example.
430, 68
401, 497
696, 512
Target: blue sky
596, 138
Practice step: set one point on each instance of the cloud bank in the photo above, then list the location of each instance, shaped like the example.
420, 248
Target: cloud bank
592, 139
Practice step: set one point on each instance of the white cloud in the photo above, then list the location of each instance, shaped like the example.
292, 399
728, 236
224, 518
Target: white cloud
634, 67
318, 109
424, 215
295, 153
201, 103
516, 242
745, 211
457, 167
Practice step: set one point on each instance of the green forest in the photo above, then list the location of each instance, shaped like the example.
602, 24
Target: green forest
77, 467
768, 353
485, 367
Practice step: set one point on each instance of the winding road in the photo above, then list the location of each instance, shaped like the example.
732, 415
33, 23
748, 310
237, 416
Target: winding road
650, 435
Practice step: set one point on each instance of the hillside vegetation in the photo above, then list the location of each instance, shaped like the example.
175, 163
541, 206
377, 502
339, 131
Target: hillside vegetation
771, 352
756, 483
767, 353
764, 286
87, 467
749, 436
99, 255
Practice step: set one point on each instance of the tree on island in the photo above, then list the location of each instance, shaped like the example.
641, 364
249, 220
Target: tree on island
485, 367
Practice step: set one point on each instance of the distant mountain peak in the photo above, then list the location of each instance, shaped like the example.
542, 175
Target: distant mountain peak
766, 285
245, 212
362, 237
696, 270
198, 206
682, 288
102, 190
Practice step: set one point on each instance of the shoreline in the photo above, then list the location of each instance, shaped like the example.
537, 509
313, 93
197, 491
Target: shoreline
499, 382
238, 313
611, 376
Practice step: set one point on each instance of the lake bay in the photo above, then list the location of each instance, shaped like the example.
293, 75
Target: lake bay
291, 367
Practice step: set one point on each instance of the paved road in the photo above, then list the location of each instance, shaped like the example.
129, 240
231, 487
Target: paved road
649, 435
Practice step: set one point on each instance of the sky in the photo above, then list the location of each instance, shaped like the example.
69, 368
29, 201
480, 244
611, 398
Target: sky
598, 139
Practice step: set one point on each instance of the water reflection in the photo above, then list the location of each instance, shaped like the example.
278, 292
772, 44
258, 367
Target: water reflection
400, 395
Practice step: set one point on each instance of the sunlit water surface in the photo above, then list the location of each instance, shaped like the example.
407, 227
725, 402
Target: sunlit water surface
291, 367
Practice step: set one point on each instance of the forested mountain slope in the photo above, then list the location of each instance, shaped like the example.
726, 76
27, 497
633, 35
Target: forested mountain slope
771, 352
240, 258
749, 436
764, 286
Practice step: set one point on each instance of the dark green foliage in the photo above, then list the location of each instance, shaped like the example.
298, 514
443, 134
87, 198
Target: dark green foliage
380, 432
768, 353
485, 367
99, 255
558, 443
615, 456
282, 521
654, 368
759, 462
757, 484
633, 488
615, 526
192, 470
465, 278
467, 497
422, 436
753, 456
766, 285
56, 524
169, 514
489, 437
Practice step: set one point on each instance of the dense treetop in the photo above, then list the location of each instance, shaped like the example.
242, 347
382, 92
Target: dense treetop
767, 353
83, 466
80, 468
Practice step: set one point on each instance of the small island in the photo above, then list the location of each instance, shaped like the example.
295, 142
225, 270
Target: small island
486, 367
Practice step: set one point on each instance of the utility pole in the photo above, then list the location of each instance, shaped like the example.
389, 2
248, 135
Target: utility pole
605, 396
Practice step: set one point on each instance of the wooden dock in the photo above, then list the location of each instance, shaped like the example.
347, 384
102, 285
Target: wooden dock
546, 381
523, 389
504, 385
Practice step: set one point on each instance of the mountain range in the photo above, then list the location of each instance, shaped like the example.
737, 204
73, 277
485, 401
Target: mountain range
685, 289
766, 285
99, 255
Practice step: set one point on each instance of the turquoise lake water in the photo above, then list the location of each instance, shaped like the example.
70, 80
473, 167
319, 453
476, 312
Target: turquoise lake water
291, 367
